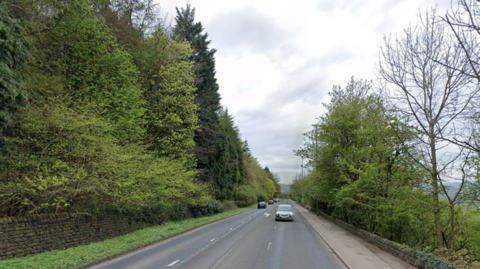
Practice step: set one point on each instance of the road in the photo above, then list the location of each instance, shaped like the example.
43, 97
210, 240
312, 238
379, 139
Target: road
249, 240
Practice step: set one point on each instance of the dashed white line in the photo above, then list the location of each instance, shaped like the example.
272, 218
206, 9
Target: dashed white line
269, 245
275, 227
173, 263
211, 240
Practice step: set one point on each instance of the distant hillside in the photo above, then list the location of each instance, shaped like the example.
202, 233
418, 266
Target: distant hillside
452, 189
285, 188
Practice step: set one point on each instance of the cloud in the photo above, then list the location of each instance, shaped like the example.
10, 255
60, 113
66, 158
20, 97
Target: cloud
246, 29
277, 60
329, 6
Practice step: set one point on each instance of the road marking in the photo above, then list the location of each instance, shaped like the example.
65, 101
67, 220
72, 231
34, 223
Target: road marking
179, 263
275, 227
173, 263
269, 245
266, 215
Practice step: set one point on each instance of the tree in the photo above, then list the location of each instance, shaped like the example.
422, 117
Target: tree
246, 148
171, 115
357, 163
79, 141
275, 178
226, 168
207, 97
14, 50
464, 23
431, 96
258, 178
129, 20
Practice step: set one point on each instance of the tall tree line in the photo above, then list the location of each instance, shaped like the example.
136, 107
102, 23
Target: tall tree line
104, 106
218, 147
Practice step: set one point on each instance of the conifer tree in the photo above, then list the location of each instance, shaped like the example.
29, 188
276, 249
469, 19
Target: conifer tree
13, 55
207, 97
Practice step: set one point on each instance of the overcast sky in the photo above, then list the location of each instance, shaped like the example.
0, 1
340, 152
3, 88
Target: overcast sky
277, 60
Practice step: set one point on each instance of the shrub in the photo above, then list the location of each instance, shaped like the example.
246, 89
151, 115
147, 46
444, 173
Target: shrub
244, 196
206, 209
229, 205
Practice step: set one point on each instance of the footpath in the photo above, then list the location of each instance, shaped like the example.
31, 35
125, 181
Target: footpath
354, 252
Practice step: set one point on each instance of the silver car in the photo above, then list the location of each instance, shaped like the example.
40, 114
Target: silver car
284, 212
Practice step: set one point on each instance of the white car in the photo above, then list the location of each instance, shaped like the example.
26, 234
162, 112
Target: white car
284, 212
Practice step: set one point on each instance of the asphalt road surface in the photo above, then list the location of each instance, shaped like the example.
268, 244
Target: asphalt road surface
249, 240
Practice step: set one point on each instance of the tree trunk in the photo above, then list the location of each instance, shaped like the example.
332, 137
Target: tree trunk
452, 226
436, 206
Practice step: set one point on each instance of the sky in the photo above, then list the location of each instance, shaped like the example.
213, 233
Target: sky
277, 60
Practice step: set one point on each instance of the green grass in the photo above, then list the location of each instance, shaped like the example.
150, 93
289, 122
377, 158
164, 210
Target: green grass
82, 256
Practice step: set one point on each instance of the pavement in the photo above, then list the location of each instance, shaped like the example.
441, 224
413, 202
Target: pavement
353, 251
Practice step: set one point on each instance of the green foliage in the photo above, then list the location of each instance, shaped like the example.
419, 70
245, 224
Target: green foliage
226, 168
99, 71
77, 49
75, 163
275, 179
129, 20
79, 143
173, 211
245, 196
258, 179
360, 172
13, 55
171, 116
55, 165
229, 205
206, 209
118, 114
208, 138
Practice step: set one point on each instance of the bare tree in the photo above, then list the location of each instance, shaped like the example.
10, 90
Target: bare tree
432, 96
464, 22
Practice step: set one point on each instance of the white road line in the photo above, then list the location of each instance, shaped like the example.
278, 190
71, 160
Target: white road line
269, 245
173, 263
231, 229
266, 214
212, 240
275, 227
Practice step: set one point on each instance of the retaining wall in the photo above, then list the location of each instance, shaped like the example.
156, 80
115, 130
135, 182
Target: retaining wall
22, 236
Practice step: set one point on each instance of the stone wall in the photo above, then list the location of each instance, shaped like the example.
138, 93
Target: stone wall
414, 257
22, 236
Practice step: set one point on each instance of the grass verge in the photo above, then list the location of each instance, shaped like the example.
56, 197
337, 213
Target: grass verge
82, 256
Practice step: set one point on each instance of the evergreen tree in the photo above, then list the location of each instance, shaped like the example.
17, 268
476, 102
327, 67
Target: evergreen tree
207, 97
13, 55
246, 148
226, 168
